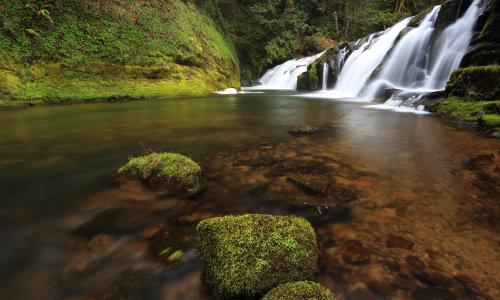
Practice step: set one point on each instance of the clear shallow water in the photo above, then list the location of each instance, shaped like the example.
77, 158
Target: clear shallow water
414, 175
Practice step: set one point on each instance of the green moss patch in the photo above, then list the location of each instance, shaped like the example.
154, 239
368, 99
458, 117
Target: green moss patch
248, 255
490, 121
303, 290
475, 83
457, 108
171, 167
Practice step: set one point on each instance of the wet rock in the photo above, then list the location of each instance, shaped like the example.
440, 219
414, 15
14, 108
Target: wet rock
318, 212
415, 262
137, 286
350, 275
81, 266
302, 129
173, 241
311, 183
366, 184
395, 241
463, 278
434, 254
104, 222
432, 294
348, 172
362, 294
152, 232
334, 265
402, 282
196, 217
302, 167
433, 278
393, 265
354, 252
381, 288
371, 205
401, 211
101, 243
342, 194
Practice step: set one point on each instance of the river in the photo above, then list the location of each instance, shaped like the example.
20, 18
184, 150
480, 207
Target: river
412, 176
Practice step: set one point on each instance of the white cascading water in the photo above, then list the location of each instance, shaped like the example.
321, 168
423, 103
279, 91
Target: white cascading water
325, 76
362, 62
451, 47
408, 62
284, 76
416, 66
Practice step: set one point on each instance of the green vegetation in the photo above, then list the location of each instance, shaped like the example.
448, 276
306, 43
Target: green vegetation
173, 168
490, 121
303, 290
57, 50
291, 28
248, 255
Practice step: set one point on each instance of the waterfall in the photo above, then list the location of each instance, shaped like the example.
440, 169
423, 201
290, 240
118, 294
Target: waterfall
284, 76
325, 76
402, 62
362, 62
417, 65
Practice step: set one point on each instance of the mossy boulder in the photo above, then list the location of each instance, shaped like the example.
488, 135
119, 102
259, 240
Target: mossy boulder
302, 290
250, 254
309, 79
475, 83
490, 121
170, 169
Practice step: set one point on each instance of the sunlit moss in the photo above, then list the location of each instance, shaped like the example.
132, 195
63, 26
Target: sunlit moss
171, 167
248, 255
302, 290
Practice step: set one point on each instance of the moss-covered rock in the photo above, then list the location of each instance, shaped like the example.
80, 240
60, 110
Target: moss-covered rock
248, 255
490, 121
461, 109
302, 290
475, 83
165, 168
309, 79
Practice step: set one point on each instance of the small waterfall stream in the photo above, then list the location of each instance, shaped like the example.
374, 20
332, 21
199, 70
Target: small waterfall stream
325, 76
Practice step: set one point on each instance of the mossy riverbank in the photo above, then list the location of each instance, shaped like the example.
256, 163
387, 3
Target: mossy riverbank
84, 51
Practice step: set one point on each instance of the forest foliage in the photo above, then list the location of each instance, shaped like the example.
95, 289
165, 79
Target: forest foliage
265, 32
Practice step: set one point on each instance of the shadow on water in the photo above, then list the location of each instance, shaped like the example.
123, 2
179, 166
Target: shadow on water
380, 179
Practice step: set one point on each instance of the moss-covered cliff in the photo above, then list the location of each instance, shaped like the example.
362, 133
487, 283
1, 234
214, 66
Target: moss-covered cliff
56, 50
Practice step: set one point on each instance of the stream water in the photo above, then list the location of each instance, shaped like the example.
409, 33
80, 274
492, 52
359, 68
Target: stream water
412, 177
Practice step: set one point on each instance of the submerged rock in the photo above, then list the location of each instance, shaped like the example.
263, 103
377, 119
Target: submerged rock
320, 212
300, 290
311, 183
172, 170
302, 129
354, 252
394, 241
104, 222
248, 255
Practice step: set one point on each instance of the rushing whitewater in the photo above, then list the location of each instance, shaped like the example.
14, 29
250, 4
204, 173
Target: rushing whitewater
417, 65
284, 76
362, 62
